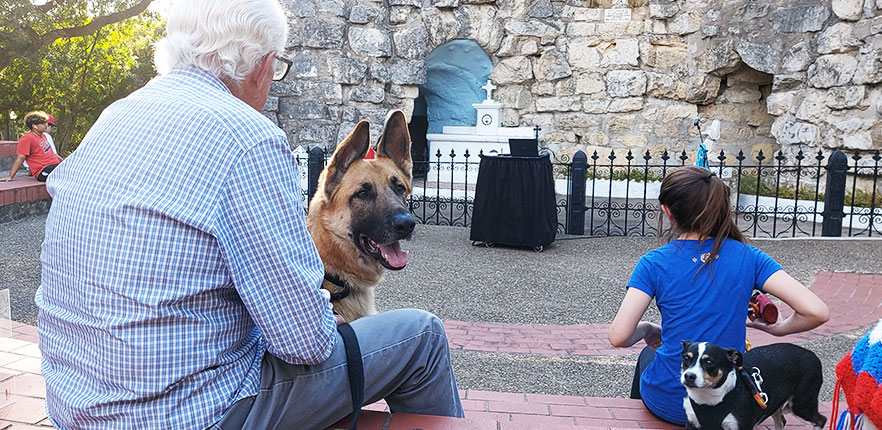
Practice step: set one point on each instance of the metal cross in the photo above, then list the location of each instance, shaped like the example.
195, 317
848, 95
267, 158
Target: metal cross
537, 129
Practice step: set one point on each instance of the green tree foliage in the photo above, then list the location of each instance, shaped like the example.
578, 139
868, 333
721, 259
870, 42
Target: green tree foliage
28, 26
75, 78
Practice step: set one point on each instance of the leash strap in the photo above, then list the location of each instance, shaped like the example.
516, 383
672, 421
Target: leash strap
354, 369
344, 287
755, 389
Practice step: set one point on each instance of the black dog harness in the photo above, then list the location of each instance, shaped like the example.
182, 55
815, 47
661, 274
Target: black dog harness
344, 287
354, 365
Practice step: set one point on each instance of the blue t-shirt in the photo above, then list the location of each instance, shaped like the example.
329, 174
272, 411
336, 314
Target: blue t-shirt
712, 307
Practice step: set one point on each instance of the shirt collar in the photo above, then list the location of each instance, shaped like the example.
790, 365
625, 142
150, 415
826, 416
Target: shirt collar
193, 72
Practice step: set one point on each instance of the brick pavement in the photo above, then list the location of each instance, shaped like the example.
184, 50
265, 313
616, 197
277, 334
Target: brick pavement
855, 301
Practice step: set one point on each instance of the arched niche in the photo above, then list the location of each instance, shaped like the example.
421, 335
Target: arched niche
455, 72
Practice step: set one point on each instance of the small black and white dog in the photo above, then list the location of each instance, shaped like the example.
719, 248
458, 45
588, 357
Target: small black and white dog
720, 397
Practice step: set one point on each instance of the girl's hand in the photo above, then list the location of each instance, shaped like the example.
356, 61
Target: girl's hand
652, 334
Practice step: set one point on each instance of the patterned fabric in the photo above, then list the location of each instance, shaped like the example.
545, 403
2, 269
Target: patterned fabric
860, 374
163, 287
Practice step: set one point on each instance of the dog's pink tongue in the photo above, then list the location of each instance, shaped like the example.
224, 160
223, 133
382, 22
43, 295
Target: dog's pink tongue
394, 255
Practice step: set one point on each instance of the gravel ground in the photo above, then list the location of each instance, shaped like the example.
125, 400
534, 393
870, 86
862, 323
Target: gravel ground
574, 281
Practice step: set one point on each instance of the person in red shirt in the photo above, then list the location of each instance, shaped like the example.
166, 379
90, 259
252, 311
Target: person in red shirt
34, 147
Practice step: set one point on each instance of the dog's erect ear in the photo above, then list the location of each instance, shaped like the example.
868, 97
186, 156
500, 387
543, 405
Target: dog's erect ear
394, 143
686, 345
350, 150
734, 357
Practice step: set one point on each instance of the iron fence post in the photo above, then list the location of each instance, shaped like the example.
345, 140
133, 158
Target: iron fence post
576, 194
314, 167
834, 194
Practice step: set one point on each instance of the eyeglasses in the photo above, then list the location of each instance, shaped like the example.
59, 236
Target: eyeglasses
281, 66
50, 124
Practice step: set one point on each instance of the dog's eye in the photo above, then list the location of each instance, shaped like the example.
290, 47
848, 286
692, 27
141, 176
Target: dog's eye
362, 194
400, 189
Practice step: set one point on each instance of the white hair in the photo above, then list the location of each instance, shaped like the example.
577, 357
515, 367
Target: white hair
226, 38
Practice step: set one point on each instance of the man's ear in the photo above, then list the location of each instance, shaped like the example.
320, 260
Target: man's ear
395, 142
350, 150
734, 357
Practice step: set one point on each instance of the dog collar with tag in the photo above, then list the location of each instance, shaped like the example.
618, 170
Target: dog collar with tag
344, 287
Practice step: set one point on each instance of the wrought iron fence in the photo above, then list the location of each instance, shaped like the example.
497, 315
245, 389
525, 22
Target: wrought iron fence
615, 194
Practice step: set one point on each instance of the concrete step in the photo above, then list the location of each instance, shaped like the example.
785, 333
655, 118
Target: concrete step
23, 197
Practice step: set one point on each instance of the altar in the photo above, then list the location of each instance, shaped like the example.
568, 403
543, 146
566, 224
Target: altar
486, 137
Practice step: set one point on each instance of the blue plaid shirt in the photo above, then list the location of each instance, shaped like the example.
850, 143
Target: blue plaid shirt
175, 255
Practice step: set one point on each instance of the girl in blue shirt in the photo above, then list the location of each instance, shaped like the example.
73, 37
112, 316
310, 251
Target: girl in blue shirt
701, 281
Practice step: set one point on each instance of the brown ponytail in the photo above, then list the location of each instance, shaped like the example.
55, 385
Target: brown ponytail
699, 203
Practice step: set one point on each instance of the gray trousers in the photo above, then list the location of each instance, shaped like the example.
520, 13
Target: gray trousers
406, 361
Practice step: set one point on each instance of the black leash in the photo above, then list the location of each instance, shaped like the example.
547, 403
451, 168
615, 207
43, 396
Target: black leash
354, 369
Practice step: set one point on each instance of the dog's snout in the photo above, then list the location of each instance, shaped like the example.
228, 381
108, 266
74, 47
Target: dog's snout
403, 223
689, 377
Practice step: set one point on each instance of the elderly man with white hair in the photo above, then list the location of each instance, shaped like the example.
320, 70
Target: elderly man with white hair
180, 288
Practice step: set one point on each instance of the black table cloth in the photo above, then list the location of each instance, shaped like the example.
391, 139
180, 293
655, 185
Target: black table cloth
515, 202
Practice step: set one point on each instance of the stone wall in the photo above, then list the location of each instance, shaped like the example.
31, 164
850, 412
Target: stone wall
789, 74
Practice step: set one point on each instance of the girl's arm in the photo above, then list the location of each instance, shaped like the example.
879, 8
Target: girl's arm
627, 329
809, 310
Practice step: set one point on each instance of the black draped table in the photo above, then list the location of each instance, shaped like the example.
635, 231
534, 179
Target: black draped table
514, 202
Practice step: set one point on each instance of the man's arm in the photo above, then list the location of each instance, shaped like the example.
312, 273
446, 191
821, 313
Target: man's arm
19, 160
274, 264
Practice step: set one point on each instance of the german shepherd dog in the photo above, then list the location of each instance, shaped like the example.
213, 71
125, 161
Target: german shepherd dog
359, 214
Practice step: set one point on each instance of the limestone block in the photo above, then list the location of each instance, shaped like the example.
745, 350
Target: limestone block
787, 130
565, 87
798, 57
367, 93
741, 94
757, 115
780, 103
581, 29
813, 107
659, 10
529, 47
703, 89
709, 30
379, 71
621, 122
619, 29
685, 23
851, 125
867, 27
849, 10
752, 10
631, 141
531, 28
861, 140
595, 106
408, 72
514, 96
583, 54
510, 118
514, 70
399, 14
370, 42
483, 27
658, 27
679, 111
837, 38
296, 108
832, 70
589, 14
317, 132
544, 120
551, 66
624, 52
788, 81
305, 65
442, 27
589, 83
404, 91
558, 104
574, 120
445, 3
665, 86
876, 134
594, 138
363, 14
539, 9
869, 67
332, 7
629, 104
845, 97
625, 83
760, 56
412, 42
346, 70
879, 106
719, 59
323, 34
543, 89
800, 19
302, 8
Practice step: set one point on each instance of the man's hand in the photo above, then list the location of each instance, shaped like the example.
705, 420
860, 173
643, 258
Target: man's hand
652, 334
340, 319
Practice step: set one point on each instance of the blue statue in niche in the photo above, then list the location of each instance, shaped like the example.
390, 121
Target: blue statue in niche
455, 73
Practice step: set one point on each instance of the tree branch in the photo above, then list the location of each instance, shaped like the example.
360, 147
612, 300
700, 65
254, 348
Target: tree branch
97, 23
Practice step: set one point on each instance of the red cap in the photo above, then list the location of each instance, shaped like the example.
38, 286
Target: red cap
370, 154
51, 120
